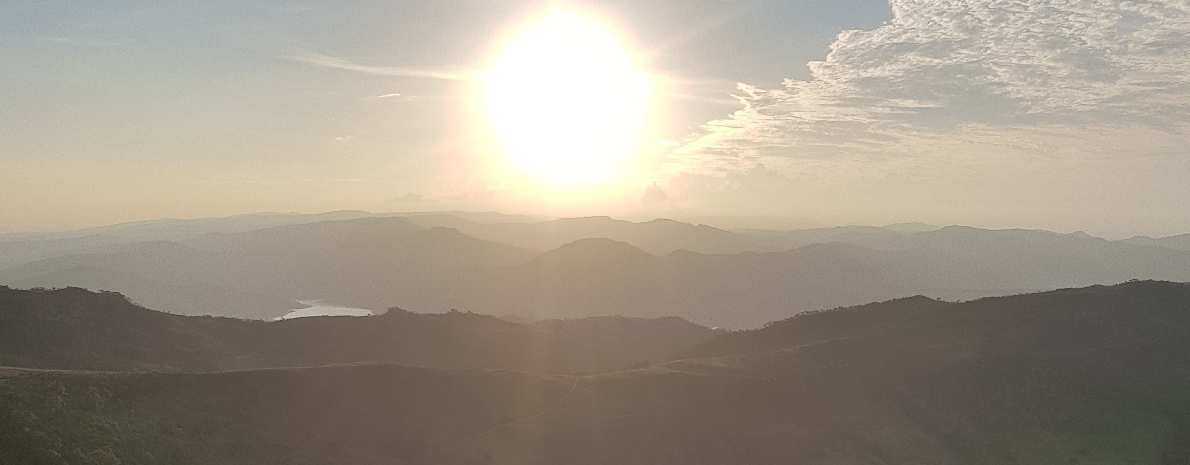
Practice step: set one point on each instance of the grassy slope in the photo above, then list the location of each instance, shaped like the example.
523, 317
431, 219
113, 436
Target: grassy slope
1096, 375
326, 415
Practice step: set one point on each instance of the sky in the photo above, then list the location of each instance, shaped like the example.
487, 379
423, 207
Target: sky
1061, 115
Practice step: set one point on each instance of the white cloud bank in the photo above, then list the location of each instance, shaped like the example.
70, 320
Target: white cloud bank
945, 65
1047, 113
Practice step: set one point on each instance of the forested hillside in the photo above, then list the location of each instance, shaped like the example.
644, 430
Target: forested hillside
1093, 375
82, 330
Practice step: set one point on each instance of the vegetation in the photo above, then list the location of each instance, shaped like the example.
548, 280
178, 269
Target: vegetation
361, 414
575, 268
78, 329
1094, 375
65, 420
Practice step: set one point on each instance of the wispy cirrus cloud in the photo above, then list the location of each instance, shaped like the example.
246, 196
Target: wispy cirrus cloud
332, 62
82, 42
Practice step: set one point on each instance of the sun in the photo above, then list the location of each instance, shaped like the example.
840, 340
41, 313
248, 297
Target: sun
566, 101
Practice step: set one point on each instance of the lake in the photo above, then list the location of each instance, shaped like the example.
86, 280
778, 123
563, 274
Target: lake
322, 308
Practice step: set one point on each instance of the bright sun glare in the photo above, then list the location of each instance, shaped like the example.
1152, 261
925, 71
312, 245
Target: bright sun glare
567, 101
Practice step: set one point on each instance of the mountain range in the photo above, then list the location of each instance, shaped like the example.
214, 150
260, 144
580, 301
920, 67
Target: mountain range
249, 267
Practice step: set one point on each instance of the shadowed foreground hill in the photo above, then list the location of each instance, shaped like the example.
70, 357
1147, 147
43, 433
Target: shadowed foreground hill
78, 329
1095, 375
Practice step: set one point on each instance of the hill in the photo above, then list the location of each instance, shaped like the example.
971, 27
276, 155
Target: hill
1093, 375
604, 277
82, 330
368, 263
433, 262
1181, 242
966, 258
745, 290
658, 237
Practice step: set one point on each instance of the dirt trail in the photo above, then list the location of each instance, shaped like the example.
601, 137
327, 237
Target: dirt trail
8, 374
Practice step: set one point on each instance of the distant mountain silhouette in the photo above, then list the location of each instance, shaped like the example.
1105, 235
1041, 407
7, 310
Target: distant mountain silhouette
1181, 242
18, 248
580, 267
658, 237
14, 253
78, 329
954, 262
602, 277
974, 258
1093, 375
370, 262
911, 227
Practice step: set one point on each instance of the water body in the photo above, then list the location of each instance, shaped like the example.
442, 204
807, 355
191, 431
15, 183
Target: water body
322, 308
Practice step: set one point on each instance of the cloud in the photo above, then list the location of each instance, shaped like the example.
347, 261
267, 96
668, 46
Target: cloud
331, 62
654, 194
944, 67
412, 202
757, 190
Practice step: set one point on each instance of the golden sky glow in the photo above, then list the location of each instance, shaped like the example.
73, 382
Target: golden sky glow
979, 112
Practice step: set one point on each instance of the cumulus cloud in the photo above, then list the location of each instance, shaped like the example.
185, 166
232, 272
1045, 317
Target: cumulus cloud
654, 194
1003, 113
946, 66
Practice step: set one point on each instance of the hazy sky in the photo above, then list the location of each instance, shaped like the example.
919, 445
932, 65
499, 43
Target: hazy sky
1065, 115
